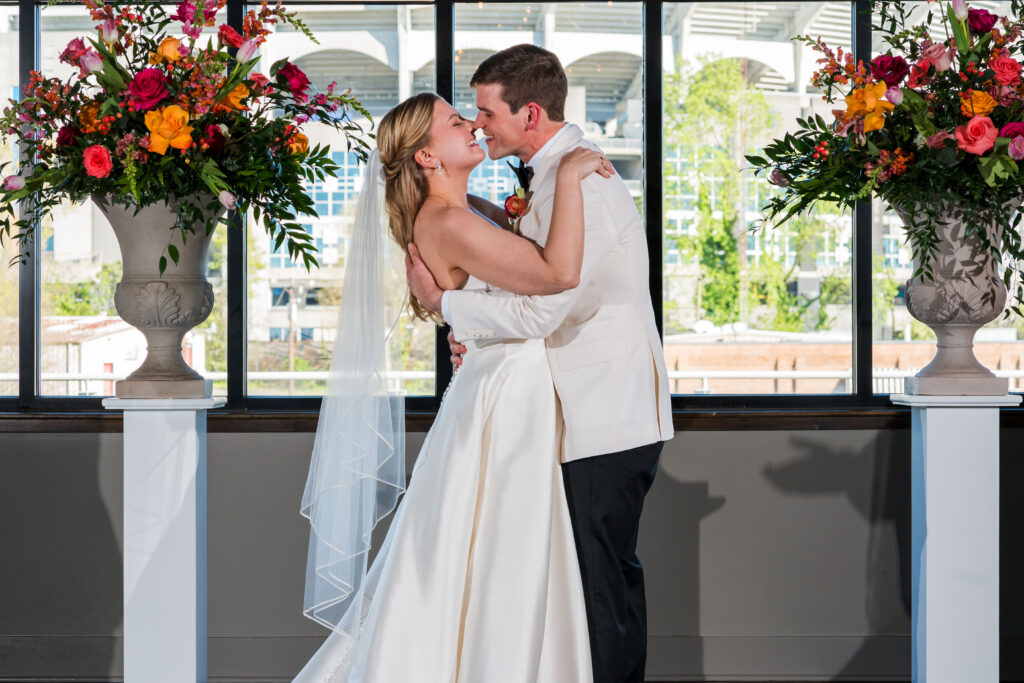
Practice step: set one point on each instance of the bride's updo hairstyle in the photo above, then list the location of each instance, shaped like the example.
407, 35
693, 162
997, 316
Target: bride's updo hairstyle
403, 131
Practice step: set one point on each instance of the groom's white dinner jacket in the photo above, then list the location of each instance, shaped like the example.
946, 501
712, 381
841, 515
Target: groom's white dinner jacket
602, 342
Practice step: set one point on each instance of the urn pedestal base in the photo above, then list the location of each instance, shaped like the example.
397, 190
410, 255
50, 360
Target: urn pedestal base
956, 386
173, 388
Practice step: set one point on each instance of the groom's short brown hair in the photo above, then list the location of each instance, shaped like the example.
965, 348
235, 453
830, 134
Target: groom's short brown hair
526, 73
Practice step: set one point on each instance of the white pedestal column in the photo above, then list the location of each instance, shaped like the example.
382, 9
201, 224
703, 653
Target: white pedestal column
955, 536
164, 538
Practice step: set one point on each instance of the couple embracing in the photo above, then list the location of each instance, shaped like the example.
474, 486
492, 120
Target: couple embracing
511, 558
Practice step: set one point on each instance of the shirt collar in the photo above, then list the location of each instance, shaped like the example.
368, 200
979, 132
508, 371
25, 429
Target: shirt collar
543, 151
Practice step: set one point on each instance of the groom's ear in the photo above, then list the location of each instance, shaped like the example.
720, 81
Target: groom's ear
533, 115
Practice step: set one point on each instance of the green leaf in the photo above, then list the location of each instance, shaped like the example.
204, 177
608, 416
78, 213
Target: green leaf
173, 251
163, 264
963, 42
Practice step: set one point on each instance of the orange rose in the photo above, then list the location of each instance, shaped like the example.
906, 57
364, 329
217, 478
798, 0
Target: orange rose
168, 127
298, 143
87, 117
976, 103
233, 101
167, 51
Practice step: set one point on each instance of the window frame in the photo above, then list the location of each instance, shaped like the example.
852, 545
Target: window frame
862, 398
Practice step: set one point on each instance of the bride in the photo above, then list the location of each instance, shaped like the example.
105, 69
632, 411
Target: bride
477, 580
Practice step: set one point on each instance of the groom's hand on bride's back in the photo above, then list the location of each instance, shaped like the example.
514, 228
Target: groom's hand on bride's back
421, 281
458, 350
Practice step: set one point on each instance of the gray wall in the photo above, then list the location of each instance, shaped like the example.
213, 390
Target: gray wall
769, 555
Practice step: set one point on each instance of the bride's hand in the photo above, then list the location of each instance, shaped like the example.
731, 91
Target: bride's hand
581, 162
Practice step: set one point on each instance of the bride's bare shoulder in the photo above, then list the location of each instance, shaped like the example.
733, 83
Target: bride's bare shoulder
447, 222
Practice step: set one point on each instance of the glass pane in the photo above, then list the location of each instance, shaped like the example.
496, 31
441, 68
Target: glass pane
747, 311
293, 314
901, 344
8, 151
84, 345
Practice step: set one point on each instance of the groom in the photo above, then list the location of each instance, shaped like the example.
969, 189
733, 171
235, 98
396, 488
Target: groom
602, 344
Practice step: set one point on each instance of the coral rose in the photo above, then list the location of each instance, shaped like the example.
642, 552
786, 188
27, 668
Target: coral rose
978, 136
1007, 70
514, 206
97, 161
148, 88
977, 103
168, 127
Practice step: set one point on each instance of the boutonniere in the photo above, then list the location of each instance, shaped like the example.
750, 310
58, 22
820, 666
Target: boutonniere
515, 204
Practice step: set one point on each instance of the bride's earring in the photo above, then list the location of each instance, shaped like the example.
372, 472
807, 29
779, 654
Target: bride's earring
439, 168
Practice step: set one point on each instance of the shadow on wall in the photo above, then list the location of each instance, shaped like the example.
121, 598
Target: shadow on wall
671, 559
876, 482
60, 589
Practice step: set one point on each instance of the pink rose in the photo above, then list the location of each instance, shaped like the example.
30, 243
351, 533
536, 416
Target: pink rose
148, 88
1007, 70
1012, 130
940, 56
246, 51
75, 49
227, 199
295, 79
1016, 148
894, 95
97, 161
89, 62
938, 140
978, 136
259, 83
13, 183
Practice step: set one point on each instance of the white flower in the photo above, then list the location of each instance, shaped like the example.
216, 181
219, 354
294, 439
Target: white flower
108, 31
223, 128
13, 183
960, 9
227, 199
246, 51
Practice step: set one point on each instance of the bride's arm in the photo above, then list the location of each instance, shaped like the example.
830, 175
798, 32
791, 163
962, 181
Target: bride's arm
513, 263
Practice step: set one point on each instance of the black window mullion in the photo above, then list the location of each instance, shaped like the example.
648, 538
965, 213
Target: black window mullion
862, 334
444, 49
28, 270
236, 291
653, 166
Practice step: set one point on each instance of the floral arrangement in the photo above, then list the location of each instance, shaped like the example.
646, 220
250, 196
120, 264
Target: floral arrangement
153, 116
936, 121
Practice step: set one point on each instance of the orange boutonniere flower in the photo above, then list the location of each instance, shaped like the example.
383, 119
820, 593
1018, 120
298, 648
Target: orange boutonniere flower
169, 51
87, 116
233, 101
298, 143
515, 205
976, 103
167, 127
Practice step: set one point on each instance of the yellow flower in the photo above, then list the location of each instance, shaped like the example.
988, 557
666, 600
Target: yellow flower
168, 127
977, 103
869, 103
233, 100
167, 52
87, 116
298, 143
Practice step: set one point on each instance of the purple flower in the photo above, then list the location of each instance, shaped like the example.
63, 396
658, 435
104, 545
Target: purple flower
777, 177
894, 95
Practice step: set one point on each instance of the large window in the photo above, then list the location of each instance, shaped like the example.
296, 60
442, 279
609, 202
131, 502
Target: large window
808, 313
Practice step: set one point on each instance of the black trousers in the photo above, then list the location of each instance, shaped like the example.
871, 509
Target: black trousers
606, 496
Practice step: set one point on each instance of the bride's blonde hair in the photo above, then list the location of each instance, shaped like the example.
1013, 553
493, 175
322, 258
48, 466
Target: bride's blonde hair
403, 131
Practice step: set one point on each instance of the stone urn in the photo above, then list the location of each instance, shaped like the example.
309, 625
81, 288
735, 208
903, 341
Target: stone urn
965, 293
162, 306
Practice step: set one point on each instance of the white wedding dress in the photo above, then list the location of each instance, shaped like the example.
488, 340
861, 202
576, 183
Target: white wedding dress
478, 579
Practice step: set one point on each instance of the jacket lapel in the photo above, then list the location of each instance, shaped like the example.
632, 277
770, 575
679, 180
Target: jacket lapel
542, 186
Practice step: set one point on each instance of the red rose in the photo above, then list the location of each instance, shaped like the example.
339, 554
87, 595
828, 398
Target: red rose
919, 73
981, 20
97, 161
73, 52
66, 136
1007, 70
229, 36
147, 88
889, 69
1012, 130
295, 79
514, 206
215, 139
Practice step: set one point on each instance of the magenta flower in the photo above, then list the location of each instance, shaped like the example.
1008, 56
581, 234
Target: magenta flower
981, 21
75, 49
148, 88
295, 79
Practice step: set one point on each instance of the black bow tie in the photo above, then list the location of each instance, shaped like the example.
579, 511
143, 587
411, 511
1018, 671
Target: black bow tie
523, 173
